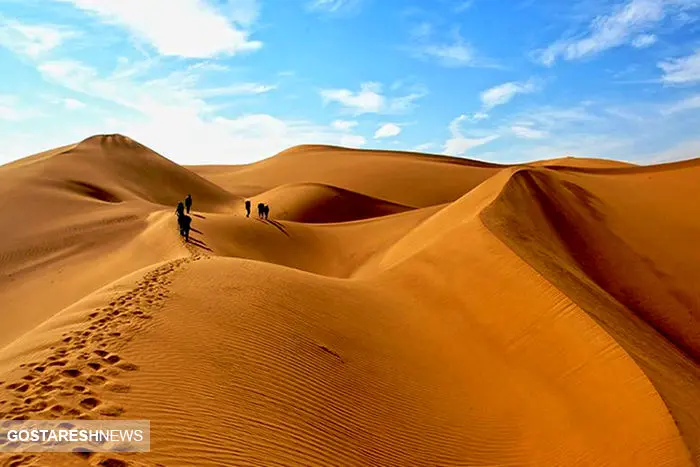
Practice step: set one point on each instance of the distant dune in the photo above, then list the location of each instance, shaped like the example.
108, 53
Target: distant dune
397, 309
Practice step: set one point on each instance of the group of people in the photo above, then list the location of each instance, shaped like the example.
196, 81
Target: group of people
184, 221
263, 210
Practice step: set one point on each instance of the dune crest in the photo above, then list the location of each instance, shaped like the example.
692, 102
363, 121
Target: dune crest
396, 308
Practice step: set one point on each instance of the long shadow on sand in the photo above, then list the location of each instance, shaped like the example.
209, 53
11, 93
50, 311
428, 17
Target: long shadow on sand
200, 244
278, 225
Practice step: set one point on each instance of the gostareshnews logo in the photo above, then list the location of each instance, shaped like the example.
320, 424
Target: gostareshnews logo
75, 436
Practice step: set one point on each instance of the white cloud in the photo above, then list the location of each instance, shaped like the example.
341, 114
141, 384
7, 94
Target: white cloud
404, 104
502, 94
62, 69
422, 30
454, 52
352, 140
168, 111
527, 132
629, 23
555, 117
643, 41
624, 114
239, 89
425, 147
31, 40
370, 99
689, 103
333, 6
463, 5
73, 104
458, 144
682, 151
227, 140
684, 70
387, 130
12, 110
367, 100
186, 28
344, 125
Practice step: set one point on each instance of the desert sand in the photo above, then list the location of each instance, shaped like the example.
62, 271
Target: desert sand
397, 309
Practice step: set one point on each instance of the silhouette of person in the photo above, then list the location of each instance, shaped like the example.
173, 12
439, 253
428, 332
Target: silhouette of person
266, 211
180, 210
247, 208
185, 227
261, 208
188, 203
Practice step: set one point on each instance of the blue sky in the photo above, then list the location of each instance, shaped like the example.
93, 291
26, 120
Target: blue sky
233, 81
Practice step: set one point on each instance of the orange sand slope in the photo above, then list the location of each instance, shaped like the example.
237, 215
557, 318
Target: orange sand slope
396, 309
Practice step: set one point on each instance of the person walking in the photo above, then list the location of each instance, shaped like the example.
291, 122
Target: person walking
185, 227
188, 203
247, 208
180, 210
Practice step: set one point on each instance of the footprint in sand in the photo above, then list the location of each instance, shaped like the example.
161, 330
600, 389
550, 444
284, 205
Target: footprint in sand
90, 403
71, 373
53, 386
127, 366
118, 387
112, 359
20, 460
113, 462
96, 380
111, 411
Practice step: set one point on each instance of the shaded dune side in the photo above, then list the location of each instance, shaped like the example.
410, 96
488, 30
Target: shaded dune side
315, 203
105, 169
405, 179
572, 237
570, 218
135, 171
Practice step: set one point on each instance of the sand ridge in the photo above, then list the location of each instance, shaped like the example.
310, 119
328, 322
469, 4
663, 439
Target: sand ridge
401, 310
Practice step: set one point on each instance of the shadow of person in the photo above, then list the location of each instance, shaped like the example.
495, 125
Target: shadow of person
200, 244
278, 225
199, 216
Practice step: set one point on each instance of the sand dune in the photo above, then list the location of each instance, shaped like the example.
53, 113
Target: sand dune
396, 309
315, 203
396, 177
583, 163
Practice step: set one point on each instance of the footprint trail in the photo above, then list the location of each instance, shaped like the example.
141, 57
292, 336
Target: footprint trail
76, 379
